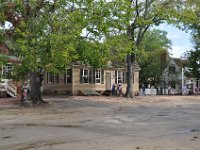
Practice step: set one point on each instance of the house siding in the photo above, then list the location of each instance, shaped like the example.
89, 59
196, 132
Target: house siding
56, 88
76, 86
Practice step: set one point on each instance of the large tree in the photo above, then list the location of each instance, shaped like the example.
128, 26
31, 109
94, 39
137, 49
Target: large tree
47, 35
194, 55
42, 35
154, 45
194, 62
147, 13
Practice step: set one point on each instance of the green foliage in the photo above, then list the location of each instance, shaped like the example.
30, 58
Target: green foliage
156, 39
154, 44
2, 62
119, 46
51, 35
194, 59
46, 36
92, 53
194, 55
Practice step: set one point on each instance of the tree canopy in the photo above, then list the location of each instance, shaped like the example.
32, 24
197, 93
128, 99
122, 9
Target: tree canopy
155, 44
194, 55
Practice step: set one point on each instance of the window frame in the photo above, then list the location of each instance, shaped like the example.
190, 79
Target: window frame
117, 77
172, 70
7, 70
68, 76
52, 78
85, 75
98, 76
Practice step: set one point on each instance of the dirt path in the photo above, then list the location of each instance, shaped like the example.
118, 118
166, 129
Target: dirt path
102, 123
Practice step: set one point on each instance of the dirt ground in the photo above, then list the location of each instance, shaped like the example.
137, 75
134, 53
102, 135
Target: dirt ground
142, 99
102, 123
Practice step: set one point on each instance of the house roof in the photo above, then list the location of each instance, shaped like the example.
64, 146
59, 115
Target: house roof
181, 62
4, 53
110, 65
11, 59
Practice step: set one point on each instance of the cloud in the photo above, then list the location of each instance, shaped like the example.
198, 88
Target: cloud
178, 51
174, 35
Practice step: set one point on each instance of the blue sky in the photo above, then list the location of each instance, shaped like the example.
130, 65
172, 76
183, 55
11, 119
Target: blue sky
181, 41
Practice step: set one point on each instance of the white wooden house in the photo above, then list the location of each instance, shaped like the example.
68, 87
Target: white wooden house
173, 76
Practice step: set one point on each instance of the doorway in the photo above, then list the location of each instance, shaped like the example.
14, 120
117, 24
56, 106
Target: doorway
108, 81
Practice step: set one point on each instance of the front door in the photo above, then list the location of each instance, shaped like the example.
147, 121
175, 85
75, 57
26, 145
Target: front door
108, 81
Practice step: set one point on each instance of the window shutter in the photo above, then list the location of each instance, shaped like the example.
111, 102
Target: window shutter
90, 75
52, 78
57, 76
81, 75
93, 76
47, 77
65, 80
70, 76
116, 77
124, 77
102, 76
127, 76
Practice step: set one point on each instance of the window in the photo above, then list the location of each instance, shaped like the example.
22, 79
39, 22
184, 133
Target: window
98, 76
118, 77
121, 77
172, 70
91, 76
125, 76
68, 76
6, 71
52, 78
84, 76
49, 77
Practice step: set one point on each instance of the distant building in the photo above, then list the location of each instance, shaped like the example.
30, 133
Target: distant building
172, 76
78, 79
81, 79
7, 86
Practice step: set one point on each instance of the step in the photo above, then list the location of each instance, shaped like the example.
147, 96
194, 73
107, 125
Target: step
89, 92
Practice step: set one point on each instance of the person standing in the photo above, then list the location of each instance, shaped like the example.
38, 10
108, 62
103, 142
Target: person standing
169, 90
120, 89
113, 90
196, 90
143, 89
184, 90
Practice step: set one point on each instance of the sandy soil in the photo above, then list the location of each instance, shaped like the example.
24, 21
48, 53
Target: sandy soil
102, 123
142, 99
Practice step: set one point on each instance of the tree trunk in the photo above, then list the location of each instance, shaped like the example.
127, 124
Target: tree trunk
129, 90
35, 88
